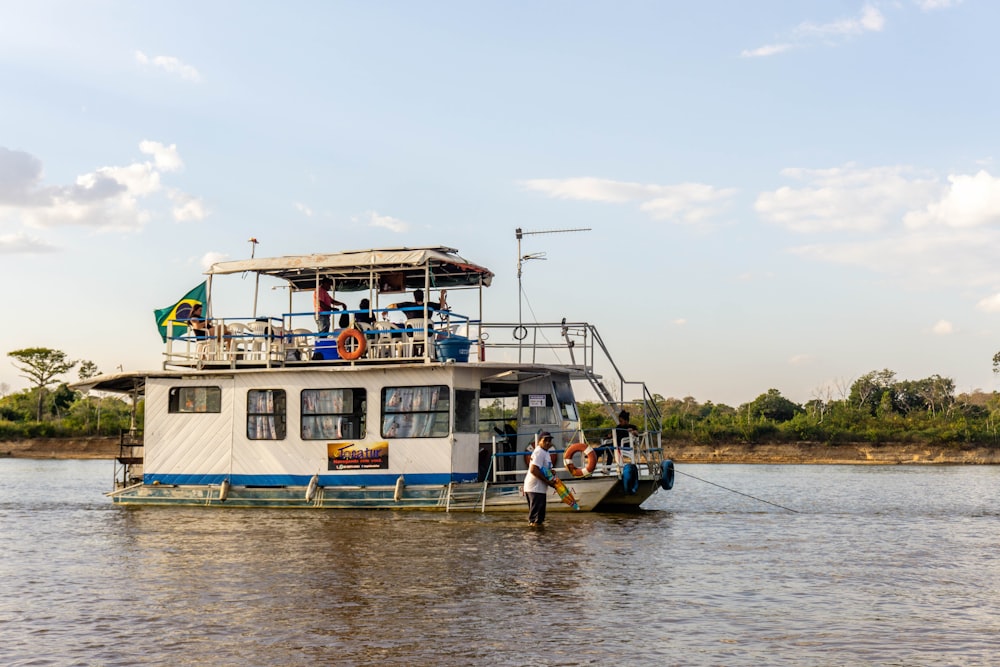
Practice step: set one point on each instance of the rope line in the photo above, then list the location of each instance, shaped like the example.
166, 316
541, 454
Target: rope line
735, 491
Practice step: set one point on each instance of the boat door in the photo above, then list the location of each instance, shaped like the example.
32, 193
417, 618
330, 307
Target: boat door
465, 440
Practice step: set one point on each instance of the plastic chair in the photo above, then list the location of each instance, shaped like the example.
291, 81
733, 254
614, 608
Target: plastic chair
235, 338
416, 339
301, 342
260, 340
384, 346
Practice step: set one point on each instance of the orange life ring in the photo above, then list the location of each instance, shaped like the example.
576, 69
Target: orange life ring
360, 344
588, 452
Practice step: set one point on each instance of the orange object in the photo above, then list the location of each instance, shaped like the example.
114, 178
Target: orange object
360, 344
588, 453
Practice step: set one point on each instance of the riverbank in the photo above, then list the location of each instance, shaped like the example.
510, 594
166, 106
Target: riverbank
60, 448
817, 453
679, 451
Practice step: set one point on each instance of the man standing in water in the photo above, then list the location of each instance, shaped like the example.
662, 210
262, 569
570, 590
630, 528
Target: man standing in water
536, 482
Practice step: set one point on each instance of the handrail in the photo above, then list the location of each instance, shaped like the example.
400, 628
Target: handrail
534, 343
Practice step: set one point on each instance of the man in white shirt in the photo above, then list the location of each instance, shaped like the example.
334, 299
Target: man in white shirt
536, 482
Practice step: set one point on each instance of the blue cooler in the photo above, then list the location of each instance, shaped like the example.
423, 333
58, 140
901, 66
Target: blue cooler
326, 348
453, 348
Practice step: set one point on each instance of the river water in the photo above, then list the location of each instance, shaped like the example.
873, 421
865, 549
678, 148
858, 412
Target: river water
815, 565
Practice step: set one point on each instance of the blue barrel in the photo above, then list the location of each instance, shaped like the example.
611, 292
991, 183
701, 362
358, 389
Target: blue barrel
667, 475
630, 479
455, 348
326, 348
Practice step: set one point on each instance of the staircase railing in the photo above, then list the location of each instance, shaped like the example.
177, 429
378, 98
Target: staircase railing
578, 347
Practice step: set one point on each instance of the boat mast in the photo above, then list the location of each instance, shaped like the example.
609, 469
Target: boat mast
520, 333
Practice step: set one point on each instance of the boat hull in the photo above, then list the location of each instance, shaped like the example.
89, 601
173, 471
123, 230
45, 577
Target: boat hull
591, 494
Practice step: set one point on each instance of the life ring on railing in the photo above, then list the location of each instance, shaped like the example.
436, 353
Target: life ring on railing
360, 344
589, 454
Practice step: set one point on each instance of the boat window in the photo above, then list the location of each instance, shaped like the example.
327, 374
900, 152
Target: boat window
195, 399
466, 411
537, 409
567, 402
266, 415
415, 412
333, 414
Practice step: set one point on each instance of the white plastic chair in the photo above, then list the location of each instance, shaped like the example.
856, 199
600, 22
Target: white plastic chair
384, 346
301, 342
416, 340
236, 339
260, 341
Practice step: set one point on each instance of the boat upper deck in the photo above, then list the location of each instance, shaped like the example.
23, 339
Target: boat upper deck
387, 328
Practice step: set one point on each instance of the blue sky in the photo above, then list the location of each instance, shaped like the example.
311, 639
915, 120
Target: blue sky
780, 194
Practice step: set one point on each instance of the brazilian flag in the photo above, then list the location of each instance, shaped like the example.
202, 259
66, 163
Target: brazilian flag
180, 312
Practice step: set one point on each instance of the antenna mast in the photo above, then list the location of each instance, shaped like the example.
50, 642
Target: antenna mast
520, 333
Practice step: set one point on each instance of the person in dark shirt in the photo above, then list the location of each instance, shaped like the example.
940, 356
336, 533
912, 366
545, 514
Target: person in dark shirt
417, 305
624, 430
365, 316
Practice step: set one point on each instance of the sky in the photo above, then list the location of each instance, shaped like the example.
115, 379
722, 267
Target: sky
778, 194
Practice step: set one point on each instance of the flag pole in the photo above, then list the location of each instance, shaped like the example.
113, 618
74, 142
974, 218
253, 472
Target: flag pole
256, 280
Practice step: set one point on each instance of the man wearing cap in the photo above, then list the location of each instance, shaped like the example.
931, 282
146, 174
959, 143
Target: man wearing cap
536, 482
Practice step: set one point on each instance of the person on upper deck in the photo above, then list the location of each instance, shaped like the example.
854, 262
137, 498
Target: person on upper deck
365, 316
625, 429
200, 327
418, 303
324, 304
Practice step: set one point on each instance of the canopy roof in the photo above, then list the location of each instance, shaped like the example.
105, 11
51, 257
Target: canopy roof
395, 269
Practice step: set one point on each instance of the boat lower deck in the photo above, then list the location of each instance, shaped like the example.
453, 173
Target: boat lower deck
590, 493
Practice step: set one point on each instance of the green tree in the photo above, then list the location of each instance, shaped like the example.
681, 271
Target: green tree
867, 390
41, 366
773, 406
62, 398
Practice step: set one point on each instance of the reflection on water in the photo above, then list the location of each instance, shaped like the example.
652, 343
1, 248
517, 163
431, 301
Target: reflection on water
889, 565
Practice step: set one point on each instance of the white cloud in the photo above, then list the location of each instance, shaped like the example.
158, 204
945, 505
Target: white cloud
943, 328
766, 50
165, 157
210, 258
104, 199
846, 198
591, 189
187, 208
930, 5
22, 244
970, 201
870, 19
800, 359
686, 202
303, 209
373, 219
170, 65
990, 304
680, 321
924, 258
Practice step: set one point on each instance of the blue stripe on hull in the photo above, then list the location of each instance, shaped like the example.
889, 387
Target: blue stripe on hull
303, 480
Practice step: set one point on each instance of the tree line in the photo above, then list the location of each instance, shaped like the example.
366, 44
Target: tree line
876, 408
49, 408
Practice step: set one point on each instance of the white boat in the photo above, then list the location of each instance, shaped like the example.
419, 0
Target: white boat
438, 413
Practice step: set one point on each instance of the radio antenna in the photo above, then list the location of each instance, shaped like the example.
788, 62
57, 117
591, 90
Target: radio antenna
520, 333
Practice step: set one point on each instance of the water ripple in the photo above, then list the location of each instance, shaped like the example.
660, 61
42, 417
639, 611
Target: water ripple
880, 566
